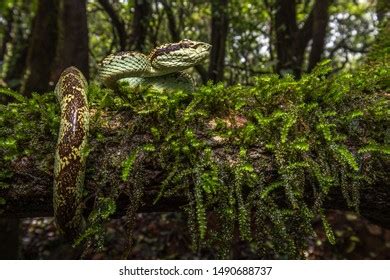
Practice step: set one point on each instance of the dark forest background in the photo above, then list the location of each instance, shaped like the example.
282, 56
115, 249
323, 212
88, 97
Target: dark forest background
250, 38
38, 39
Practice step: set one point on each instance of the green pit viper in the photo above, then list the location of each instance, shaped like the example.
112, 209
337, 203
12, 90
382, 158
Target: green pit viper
162, 69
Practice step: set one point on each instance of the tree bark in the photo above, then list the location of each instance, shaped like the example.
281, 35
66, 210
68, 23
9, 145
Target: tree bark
219, 30
42, 48
285, 29
72, 47
320, 23
117, 22
140, 25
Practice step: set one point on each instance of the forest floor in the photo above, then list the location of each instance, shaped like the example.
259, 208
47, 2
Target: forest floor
162, 236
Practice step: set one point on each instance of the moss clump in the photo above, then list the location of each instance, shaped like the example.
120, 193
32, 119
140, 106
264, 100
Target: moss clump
27, 127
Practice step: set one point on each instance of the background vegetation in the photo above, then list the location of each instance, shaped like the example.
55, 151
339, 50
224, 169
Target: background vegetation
39, 38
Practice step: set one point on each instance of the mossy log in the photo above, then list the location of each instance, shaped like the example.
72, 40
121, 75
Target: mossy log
274, 155
30, 194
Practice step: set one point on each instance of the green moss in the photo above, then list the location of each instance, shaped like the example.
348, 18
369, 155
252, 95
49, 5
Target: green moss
94, 232
27, 128
328, 230
127, 165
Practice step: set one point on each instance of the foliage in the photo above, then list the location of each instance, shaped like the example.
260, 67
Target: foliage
250, 46
104, 208
27, 125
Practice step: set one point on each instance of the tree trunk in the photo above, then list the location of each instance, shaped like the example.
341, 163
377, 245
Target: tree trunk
285, 29
42, 48
321, 19
3, 50
16, 60
292, 42
117, 22
72, 48
172, 26
140, 24
6, 35
219, 31
382, 8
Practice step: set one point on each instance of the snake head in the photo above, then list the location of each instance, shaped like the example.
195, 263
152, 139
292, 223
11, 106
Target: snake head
179, 56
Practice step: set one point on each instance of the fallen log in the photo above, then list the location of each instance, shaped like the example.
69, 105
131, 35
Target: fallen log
30, 195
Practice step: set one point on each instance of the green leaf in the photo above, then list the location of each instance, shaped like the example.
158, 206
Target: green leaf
328, 230
264, 193
13, 94
346, 156
127, 165
375, 148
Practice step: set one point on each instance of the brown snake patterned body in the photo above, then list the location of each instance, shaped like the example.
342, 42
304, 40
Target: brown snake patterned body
70, 156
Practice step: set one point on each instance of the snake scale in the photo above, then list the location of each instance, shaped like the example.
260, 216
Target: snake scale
162, 69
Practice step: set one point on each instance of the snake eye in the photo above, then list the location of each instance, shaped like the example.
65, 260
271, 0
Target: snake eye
202, 46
